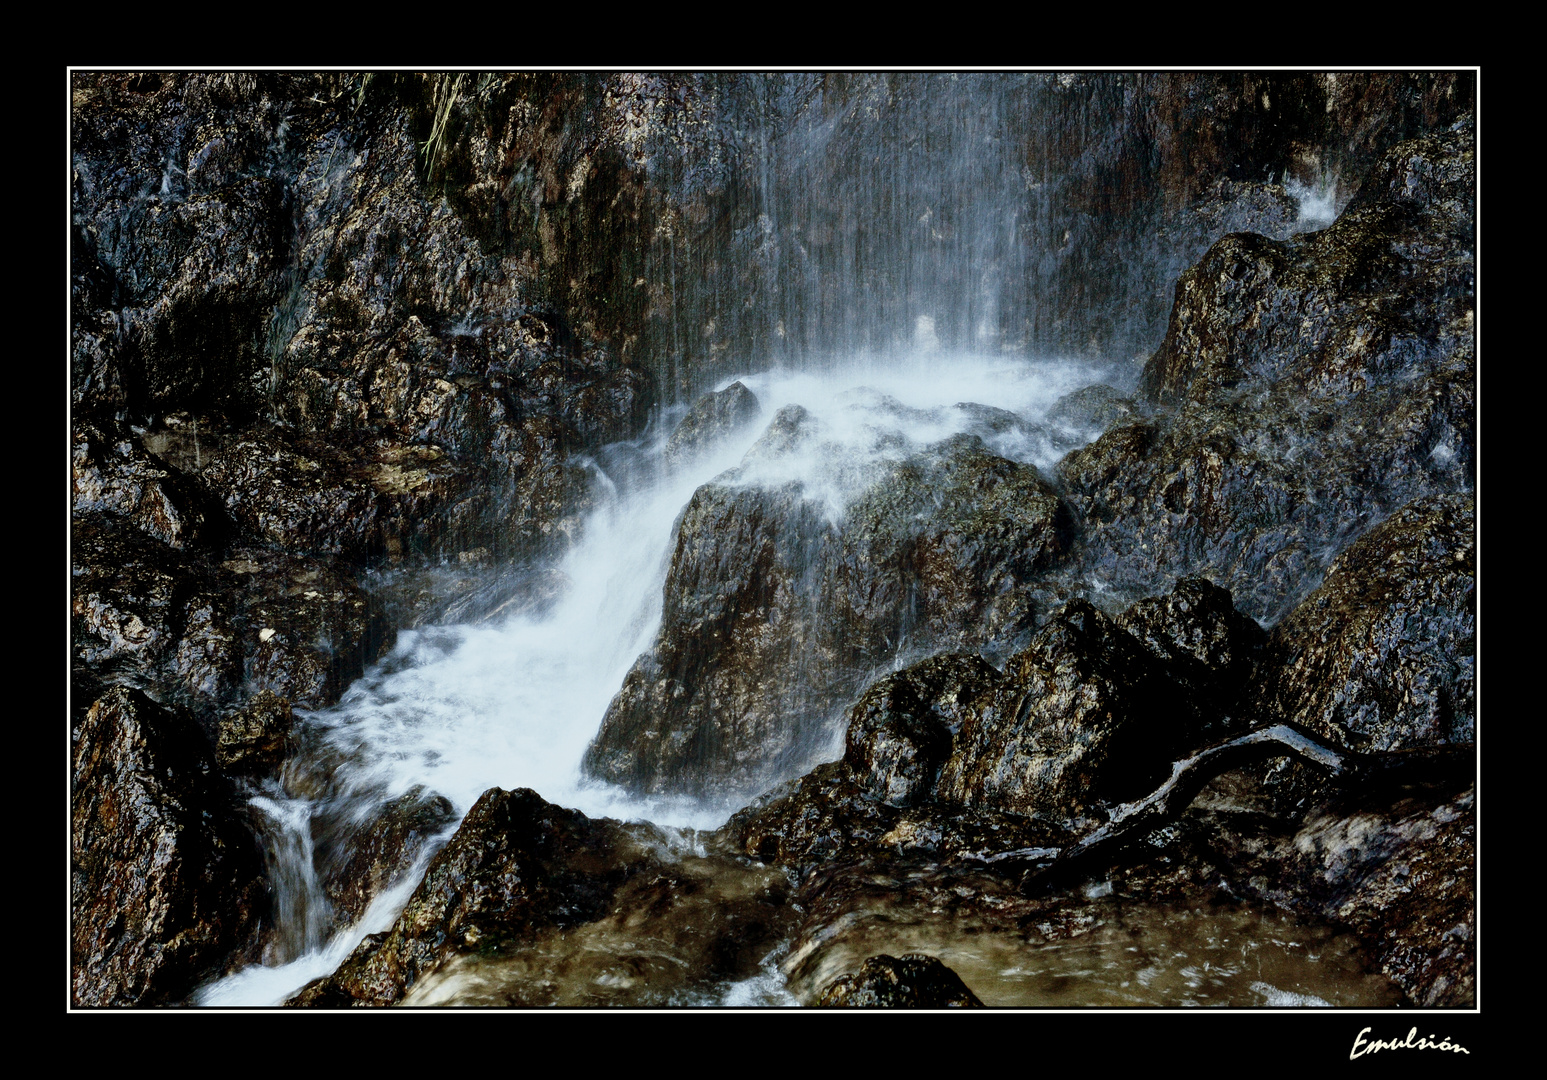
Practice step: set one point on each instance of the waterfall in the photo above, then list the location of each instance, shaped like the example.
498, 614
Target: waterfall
458, 709
909, 258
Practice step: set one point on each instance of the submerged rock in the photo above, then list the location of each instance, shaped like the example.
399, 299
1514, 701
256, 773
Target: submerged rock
166, 879
914, 981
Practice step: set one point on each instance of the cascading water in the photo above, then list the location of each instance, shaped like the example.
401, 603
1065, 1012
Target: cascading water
876, 250
457, 710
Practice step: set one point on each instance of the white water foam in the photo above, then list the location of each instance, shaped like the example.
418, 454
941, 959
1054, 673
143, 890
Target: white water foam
1320, 202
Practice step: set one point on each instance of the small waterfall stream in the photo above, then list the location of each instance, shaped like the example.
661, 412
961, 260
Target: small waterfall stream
891, 260
456, 710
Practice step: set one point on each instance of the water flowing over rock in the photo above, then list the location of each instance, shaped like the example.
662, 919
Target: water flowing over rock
359, 865
519, 866
711, 419
1084, 442
774, 614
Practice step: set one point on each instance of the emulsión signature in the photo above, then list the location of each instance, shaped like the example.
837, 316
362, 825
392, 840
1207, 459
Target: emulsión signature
1414, 1041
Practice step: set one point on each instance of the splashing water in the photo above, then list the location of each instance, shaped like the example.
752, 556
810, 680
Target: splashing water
1320, 202
457, 710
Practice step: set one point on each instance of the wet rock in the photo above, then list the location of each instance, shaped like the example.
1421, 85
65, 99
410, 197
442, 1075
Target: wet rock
307, 629
1093, 408
913, 981
832, 817
900, 732
307, 496
714, 417
1402, 877
601, 399
1083, 715
1319, 383
166, 879
472, 590
1381, 656
206, 636
144, 614
1200, 637
516, 864
537, 496
532, 904
713, 704
938, 551
112, 475
371, 856
951, 758
774, 614
195, 276
255, 739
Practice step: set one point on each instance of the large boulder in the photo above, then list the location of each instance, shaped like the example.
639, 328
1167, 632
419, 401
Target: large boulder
1382, 655
166, 880
1308, 387
1084, 716
774, 613
533, 904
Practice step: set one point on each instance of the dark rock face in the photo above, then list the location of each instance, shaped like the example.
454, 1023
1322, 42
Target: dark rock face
774, 614
1380, 657
166, 878
204, 635
1318, 384
913, 981
255, 739
122, 480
